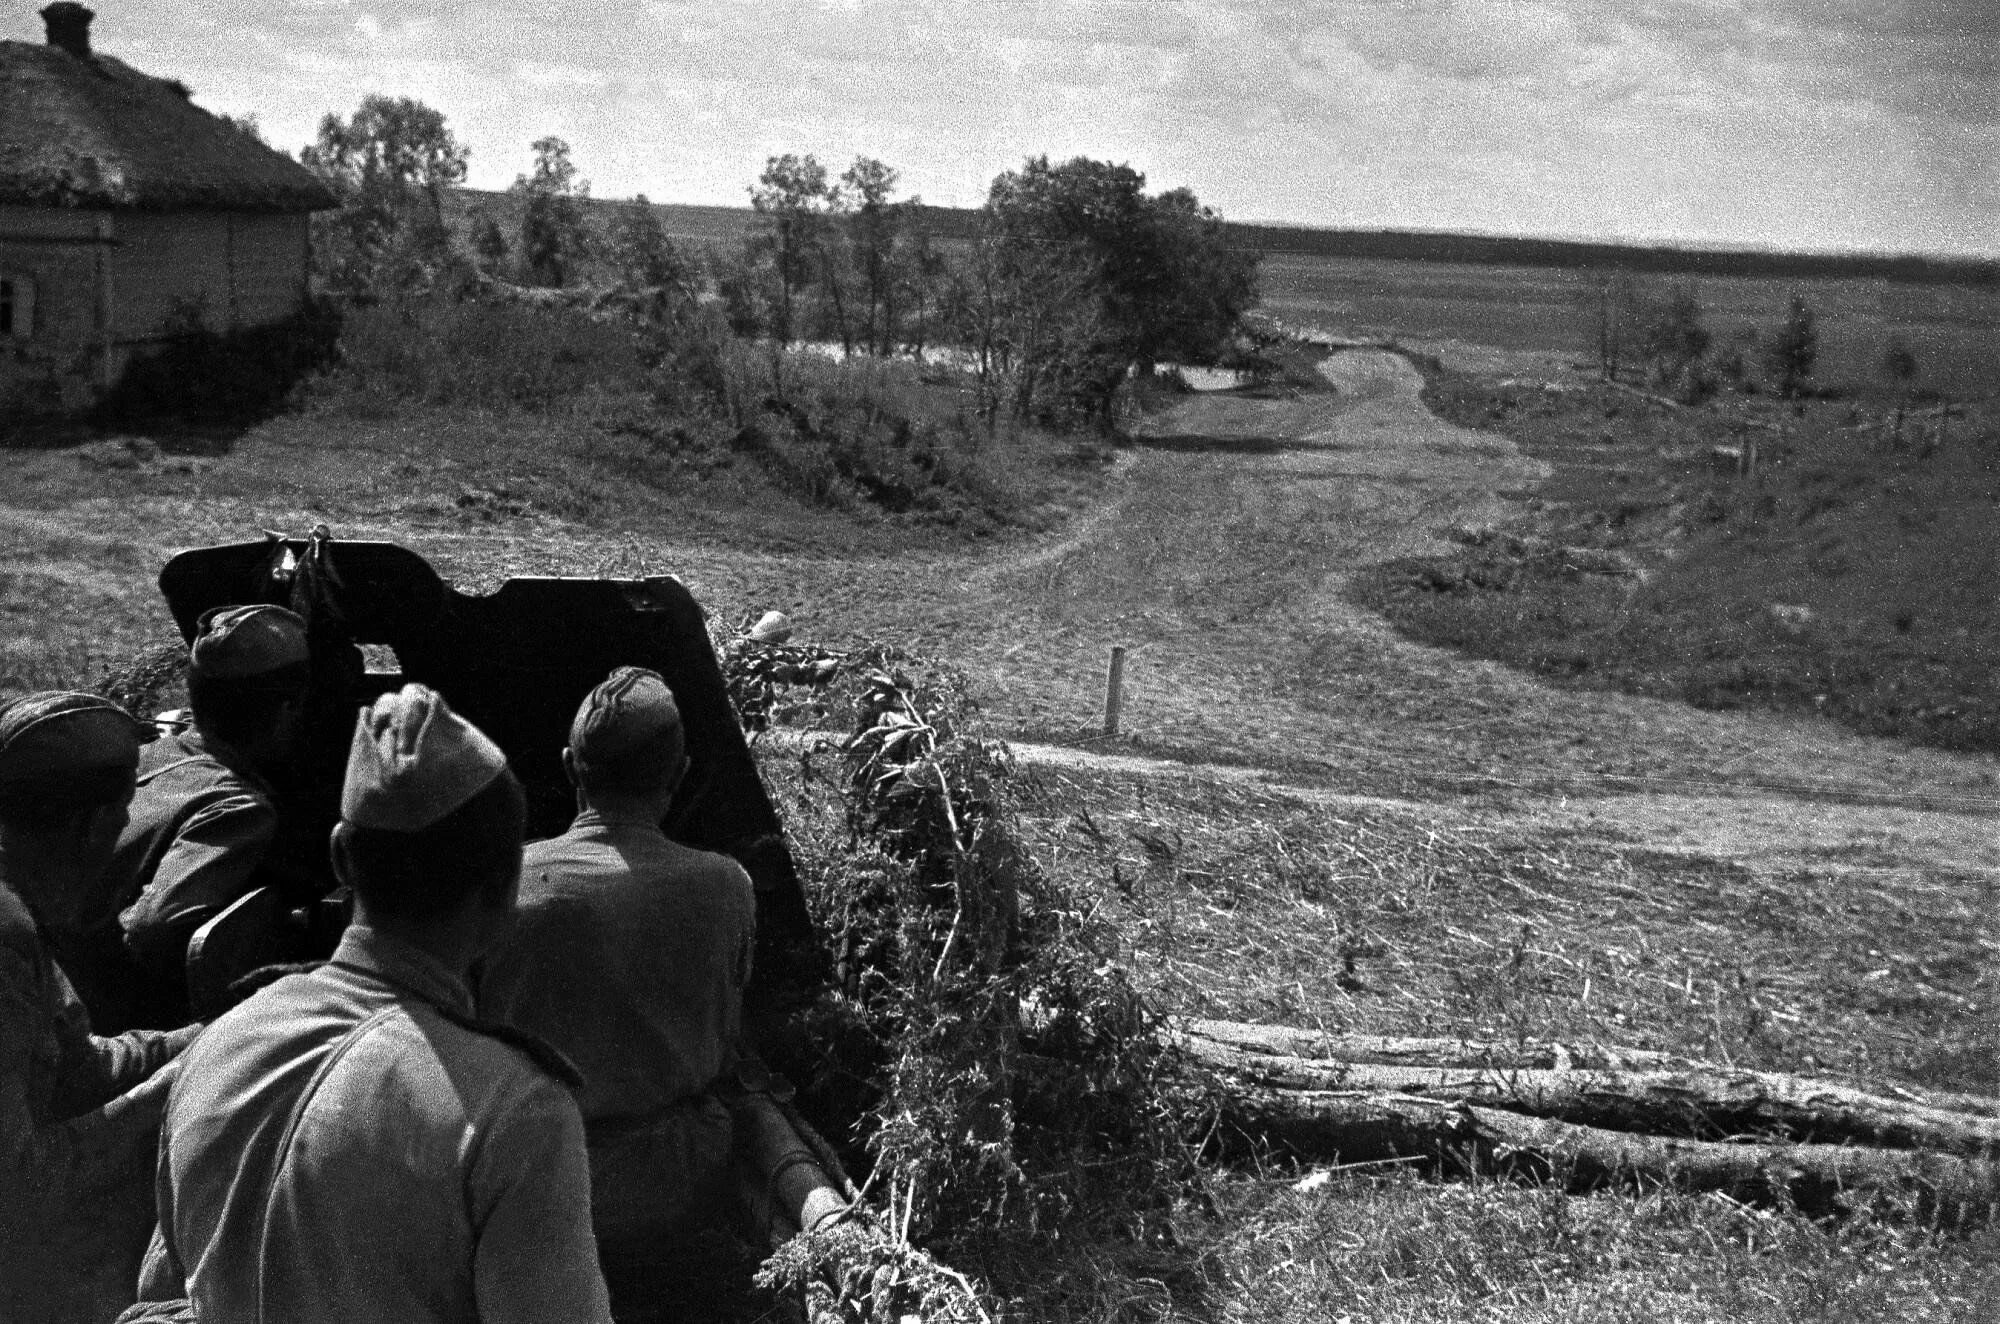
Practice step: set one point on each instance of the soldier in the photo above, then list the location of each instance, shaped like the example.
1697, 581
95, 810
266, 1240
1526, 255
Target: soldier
78, 1114
204, 817
351, 1144
630, 954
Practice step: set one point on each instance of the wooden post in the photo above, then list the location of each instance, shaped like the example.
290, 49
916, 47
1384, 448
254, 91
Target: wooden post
1114, 690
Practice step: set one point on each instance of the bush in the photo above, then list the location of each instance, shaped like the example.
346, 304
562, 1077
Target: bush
848, 432
1672, 335
1794, 348
1011, 1077
482, 355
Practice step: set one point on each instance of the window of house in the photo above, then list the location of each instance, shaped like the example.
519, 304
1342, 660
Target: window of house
17, 307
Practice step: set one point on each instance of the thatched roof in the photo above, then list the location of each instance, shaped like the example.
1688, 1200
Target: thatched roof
91, 131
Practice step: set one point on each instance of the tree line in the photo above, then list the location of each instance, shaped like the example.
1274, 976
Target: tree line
1659, 334
1074, 278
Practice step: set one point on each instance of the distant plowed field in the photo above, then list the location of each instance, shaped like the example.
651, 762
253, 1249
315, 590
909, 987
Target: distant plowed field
1954, 330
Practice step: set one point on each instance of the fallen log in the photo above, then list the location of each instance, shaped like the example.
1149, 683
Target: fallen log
1642, 1085
1347, 1128
1694, 1102
1397, 1050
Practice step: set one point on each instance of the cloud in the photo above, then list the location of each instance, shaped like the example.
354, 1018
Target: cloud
1824, 122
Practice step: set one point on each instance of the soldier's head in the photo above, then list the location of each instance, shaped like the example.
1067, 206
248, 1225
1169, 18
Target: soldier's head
247, 673
431, 820
67, 764
626, 746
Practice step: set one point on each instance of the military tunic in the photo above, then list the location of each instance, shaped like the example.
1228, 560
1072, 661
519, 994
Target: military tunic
630, 953
346, 1146
201, 824
75, 1148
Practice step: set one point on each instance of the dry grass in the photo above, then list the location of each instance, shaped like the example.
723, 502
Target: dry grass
1397, 1250
1259, 905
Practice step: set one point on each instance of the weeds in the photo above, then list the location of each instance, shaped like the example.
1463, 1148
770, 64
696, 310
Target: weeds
1015, 1083
477, 355
1793, 588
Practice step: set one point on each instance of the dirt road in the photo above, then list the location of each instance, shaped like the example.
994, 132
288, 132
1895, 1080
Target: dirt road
1222, 565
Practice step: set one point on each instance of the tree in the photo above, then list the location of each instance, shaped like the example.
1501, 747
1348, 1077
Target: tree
874, 232
489, 243
1033, 320
553, 239
389, 164
1671, 335
646, 257
1616, 302
921, 288
1202, 284
794, 201
1169, 282
1793, 348
1899, 365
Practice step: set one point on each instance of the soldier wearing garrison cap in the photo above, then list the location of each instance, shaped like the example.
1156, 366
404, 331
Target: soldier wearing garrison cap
630, 954
78, 1113
352, 1143
204, 818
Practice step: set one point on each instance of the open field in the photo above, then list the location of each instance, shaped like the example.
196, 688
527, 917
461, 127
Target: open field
1309, 818
1954, 330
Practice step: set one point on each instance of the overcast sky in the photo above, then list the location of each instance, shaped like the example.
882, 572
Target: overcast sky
1818, 124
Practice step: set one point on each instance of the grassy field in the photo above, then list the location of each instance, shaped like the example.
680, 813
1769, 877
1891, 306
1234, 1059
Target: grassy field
1851, 577
1953, 330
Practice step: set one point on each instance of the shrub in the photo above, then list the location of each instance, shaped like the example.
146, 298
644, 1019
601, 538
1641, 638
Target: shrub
1672, 335
1011, 1076
847, 432
482, 355
1793, 348
1899, 363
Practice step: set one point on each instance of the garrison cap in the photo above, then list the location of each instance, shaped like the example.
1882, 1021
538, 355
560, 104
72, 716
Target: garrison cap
631, 710
237, 643
60, 735
413, 761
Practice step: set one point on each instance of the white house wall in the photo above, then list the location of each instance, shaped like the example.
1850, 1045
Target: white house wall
241, 270
59, 357
134, 272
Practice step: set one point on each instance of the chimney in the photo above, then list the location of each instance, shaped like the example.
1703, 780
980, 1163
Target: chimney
69, 27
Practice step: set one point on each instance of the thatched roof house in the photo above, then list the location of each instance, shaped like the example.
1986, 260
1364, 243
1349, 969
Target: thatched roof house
126, 209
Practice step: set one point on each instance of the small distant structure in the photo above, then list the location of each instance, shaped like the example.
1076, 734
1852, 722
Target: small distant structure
124, 207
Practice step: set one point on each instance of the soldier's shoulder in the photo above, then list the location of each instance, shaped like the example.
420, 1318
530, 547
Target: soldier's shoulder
177, 766
506, 1050
707, 864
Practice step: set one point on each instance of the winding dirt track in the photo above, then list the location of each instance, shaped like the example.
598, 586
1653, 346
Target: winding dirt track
1222, 564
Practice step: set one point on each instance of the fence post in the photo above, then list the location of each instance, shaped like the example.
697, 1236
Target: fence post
1114, 690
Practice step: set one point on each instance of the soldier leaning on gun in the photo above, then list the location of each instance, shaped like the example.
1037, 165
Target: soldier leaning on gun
204, 817
79, 1114
630, 955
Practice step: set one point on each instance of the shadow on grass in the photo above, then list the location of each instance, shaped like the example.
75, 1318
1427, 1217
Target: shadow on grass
170, 436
